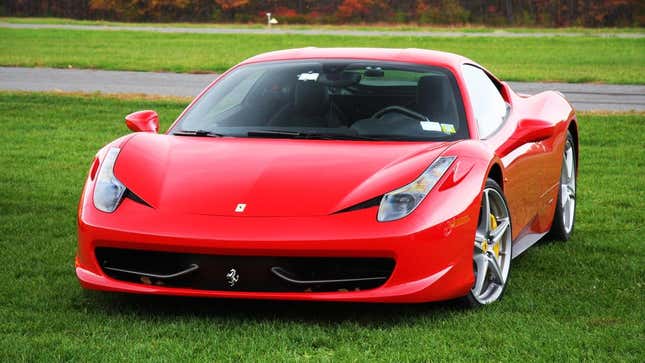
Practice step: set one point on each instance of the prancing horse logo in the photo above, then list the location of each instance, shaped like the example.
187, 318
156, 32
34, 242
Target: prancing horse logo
232, 277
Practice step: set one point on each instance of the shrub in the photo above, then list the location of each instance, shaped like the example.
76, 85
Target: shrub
446, 12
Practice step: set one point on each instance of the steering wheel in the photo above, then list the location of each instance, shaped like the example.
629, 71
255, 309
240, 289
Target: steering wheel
402, 110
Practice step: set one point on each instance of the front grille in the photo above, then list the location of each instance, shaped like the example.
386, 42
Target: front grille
244, 273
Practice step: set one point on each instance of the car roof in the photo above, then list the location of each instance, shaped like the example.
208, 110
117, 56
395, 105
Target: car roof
409, 55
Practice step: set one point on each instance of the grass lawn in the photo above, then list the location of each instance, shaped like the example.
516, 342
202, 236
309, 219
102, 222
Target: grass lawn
569, 59
367, 27
580, 300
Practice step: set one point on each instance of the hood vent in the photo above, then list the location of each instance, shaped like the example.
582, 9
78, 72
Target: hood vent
366, 204
130, 194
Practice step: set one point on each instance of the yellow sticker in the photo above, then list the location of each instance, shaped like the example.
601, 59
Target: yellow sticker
448, 128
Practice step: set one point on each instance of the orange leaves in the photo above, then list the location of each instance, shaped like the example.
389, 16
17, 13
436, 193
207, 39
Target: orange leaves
360, 9
231, 4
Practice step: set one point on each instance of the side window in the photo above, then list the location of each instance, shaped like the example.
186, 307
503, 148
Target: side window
488, 105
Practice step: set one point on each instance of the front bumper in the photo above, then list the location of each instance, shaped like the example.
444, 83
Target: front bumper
433, 259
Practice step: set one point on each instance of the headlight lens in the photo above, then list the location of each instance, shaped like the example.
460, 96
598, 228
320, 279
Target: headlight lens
401, 202
108, 190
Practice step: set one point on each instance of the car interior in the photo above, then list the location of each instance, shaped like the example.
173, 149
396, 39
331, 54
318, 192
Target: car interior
372, 100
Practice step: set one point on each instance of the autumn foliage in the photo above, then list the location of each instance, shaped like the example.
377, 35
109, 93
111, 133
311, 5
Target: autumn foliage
594, 13
361, 10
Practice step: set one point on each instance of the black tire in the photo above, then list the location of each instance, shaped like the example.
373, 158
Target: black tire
470, 301
558, 227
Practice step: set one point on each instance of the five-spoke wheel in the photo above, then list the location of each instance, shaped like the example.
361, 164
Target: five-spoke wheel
492, 250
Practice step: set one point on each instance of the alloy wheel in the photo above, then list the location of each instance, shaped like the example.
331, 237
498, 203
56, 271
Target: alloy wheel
492, 252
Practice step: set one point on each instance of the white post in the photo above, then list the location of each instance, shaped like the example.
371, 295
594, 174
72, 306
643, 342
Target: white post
269, 20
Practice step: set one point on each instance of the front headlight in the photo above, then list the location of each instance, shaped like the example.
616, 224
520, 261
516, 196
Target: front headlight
401, 202
108, 190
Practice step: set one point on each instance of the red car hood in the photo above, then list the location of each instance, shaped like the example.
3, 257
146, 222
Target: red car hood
273, 177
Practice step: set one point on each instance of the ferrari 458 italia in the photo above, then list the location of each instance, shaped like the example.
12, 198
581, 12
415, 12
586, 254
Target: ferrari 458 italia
374, 175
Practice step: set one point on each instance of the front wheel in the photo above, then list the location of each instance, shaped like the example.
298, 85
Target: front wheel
492, 248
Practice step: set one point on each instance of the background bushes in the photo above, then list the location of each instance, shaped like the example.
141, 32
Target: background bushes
550, 13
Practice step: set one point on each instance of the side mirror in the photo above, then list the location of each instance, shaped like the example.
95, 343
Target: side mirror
531, 130
143, 121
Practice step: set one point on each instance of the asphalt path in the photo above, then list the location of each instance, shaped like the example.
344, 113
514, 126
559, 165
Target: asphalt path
342, 32
583, 96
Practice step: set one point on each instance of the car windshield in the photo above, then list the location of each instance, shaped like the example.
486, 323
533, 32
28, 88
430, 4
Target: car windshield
330, 99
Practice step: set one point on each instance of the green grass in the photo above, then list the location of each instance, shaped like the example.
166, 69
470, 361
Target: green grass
367, 27
580, 300
578, 59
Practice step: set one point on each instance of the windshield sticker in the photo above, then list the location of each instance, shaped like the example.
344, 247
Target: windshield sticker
448, 128
308, 77
430, 126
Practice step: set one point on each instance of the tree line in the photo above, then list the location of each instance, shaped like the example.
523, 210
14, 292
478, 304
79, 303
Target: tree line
548, 13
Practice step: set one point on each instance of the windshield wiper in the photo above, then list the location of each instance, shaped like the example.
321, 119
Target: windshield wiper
305, 135
329, 136
385, 137
196, 133
273, 134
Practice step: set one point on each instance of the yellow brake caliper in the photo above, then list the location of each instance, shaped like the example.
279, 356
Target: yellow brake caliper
493, 226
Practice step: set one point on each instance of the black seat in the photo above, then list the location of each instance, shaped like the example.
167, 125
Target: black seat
436, 99
311, 107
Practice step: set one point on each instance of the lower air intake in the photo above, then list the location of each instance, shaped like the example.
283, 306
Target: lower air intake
244, 273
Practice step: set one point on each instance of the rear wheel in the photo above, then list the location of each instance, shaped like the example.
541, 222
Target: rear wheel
492, 248
565, 210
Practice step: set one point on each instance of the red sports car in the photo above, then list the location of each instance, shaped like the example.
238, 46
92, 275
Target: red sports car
376, 175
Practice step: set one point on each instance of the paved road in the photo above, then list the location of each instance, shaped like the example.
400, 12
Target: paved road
343, 32
584, 97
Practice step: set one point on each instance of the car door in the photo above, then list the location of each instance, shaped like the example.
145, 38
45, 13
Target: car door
496, 121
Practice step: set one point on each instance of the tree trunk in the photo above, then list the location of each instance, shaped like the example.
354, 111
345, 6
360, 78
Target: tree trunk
509, 11
482, 8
